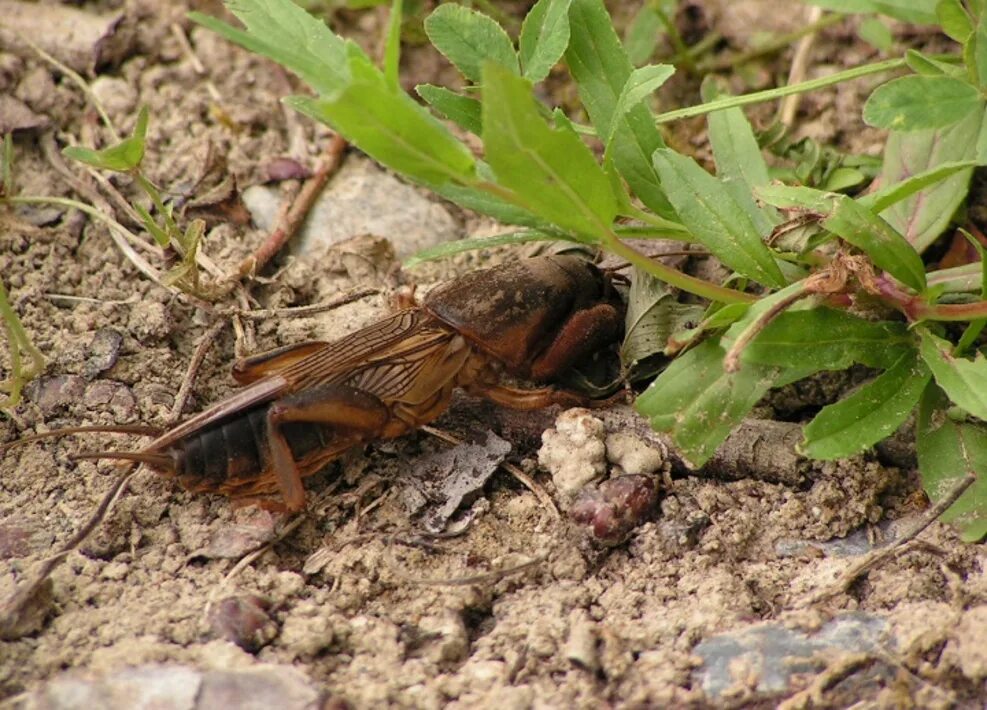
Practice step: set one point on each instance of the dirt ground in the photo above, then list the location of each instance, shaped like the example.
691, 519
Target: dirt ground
708, 605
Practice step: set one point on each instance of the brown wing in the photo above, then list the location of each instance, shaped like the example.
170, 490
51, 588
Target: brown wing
399, 343
385, 359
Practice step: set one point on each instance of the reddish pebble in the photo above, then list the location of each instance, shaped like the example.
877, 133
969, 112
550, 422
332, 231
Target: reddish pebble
244, 620
614, 508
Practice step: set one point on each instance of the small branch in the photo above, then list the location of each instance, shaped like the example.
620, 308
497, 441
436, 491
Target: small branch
877, 557
294, 217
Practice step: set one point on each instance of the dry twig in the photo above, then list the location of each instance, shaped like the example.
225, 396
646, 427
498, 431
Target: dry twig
294, 215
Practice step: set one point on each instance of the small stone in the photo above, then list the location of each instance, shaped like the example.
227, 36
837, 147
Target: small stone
245, 621
452, 644
580, 648
102, 352
55, 391
633, 455
115, 396
574, 451
280, 169
114, 571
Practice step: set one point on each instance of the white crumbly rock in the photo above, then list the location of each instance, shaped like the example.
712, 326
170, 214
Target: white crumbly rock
574, 451
634, 456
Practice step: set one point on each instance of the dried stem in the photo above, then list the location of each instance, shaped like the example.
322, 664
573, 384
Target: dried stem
295, 215
877, 557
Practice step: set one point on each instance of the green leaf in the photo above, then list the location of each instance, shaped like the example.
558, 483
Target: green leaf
964, 381
822, 338
711, 213
125, 155
544, 37
919, 12
551, 172
948, 451
468, 39
290, 36
915, 102
890, 251
954, 20
643, 34
699, 404
873, 412
739, 163
391, 127
921, 64
600, 67
483, 202
461, 110
979, 42
922, 217
854, 223
446, 249
876, 33
392, 47
892, 194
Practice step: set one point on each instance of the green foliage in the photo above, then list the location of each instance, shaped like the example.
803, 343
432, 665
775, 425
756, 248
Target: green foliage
811, 251
122, 157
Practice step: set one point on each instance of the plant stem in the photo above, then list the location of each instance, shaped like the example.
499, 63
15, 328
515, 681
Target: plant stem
772, 94
19, 341
676, 278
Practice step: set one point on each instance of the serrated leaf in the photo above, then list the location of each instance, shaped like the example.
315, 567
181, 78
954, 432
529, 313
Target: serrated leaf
551, 172
916, 102
964, 381
544, 38
870, 414
699, 404
391, 127
461, 110
823, 339
290, 36
125, 155
468, 39
948, 451
713, 216
922, 217
599, 65
954, 20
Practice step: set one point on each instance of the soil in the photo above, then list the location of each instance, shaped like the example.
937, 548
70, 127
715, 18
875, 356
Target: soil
352, 602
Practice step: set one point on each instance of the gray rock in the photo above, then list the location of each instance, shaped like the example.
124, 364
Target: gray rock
360, 199
773, 654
